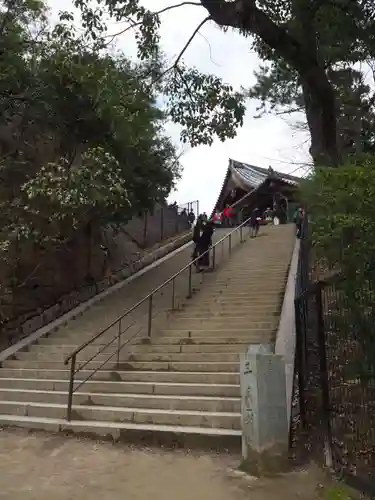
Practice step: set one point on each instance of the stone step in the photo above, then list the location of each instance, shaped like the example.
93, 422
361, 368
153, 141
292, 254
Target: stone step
194, 342
223, 301
251, 275
244, 311
250, 280
235, 323
230, 313
232, 322
64, 350
259, 330
169, 435
229, 297
251, 271
106, 386
252, 285
122, 400
190, 377
248, 272
254, 330
220, 420
245, 285
244, 295
257, 337
196, 357
254, 337
179, 366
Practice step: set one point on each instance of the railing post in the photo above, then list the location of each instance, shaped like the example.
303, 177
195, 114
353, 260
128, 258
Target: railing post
71, 388
323, 377
300, 365
149, 316
241, 239
213, 257
173, 301
230, 244
190, 288
118, 341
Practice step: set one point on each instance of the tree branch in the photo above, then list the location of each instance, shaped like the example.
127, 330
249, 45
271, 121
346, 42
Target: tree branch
184, 49
134, 24
290, 111
208, 18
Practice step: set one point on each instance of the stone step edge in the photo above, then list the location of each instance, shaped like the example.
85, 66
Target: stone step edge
150, 411
189, 330
149, 372
60, 425
112, 382
166, 367
121, 395
71, 347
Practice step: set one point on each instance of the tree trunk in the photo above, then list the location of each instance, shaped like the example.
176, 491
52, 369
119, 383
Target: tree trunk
321, 115
317, 89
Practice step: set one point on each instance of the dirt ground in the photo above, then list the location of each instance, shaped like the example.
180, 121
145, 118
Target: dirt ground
39, 466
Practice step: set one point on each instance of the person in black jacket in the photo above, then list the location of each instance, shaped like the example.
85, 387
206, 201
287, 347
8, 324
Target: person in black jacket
254, 222
196, 237
205, 241
191, 216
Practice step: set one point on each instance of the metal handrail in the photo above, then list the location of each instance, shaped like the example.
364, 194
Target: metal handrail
72, 357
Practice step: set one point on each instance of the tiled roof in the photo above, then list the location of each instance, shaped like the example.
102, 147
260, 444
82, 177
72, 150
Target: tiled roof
252, 176
255, 176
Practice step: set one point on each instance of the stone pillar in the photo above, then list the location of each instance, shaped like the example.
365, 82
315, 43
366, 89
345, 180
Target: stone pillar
265, 430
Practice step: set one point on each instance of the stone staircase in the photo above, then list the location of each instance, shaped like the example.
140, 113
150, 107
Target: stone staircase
182, 387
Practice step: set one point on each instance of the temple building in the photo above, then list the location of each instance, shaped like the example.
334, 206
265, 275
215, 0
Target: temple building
246, 187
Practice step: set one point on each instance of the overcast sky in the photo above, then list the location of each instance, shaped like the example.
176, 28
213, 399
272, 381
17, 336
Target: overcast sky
267, 141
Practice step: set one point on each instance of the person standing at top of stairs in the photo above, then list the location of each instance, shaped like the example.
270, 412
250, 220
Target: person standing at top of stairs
228, 214
197, 229
204, 243
254, 222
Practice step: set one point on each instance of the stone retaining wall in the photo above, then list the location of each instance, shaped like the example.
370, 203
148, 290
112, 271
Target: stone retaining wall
16, 332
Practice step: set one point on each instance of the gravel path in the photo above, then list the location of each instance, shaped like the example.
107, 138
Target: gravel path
40, 466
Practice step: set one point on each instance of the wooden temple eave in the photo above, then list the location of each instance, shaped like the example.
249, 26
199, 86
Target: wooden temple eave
252, 183
264, 194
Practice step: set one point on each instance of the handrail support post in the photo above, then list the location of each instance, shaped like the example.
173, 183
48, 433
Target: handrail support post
190, 289
149, 316
173, 294
118, 341
71, 387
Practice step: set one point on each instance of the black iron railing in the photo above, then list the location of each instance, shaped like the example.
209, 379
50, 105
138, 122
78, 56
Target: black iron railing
164, 221
335, 373
149, 309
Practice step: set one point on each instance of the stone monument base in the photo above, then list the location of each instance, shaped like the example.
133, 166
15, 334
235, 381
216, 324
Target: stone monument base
269, 462
265, 429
